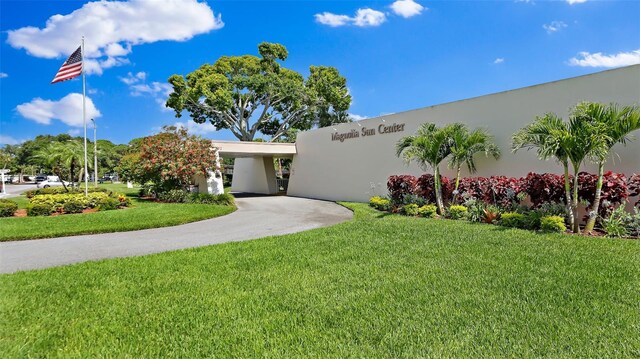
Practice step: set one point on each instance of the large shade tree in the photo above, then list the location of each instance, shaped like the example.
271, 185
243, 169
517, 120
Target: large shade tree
249, 94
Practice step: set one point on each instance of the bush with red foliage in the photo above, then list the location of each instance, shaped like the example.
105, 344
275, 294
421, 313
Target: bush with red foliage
496, 190
614, 191
544, 188
633, 186
402, 185
427, 188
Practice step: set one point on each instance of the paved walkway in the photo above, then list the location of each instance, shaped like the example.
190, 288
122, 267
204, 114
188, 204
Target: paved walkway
256, 217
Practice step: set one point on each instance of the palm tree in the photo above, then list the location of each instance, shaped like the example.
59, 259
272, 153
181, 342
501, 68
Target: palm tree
428, 147
611, 125
63, 155
548, 134
465, 145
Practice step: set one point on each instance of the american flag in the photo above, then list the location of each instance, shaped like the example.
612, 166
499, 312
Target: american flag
71, 68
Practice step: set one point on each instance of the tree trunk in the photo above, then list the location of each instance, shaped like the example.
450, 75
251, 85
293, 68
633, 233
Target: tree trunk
71, 172
436, 181
574, 203
455, 196
596, 202
567, 189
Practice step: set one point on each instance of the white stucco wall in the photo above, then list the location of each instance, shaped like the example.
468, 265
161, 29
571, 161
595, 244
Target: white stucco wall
254, 175
358, 168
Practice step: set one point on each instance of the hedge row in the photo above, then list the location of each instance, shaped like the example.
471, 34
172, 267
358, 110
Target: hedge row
62, 190
508, 191
47, 204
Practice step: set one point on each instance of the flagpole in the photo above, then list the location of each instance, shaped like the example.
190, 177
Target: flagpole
84, 122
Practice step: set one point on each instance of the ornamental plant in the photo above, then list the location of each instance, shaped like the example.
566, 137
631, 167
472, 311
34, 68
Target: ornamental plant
552, 224
171, 158
633, 186
428, 211
400, 186
426, 188
613, 192
457, 211
545, 188
7, 207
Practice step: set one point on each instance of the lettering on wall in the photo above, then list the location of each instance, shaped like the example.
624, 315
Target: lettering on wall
366, 132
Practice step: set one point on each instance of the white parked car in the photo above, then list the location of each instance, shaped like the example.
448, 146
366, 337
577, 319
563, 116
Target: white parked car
47, 184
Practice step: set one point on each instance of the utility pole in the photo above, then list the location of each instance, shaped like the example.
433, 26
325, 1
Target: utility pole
95, 153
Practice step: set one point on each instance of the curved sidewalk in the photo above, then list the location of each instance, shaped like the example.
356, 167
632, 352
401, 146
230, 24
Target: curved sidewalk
256, 217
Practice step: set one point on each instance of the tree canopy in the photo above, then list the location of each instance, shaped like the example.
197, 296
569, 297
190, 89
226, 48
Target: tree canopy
249, 94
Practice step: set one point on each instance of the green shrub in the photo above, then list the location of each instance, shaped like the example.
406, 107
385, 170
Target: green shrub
457, 212
74, 206
379, 203
475, 210
513, 219
409, 209
552, 224
7, 208
174, 196
616, 224
61, 190
225, 199
428, 210
39, 209
108, 204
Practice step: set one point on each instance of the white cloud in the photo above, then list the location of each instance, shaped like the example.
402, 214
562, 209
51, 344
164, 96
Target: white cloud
333, 20
197, 128
586, 59
8, 140
406, 8
364, 17
74, 132
356, 117
68, 110
554, 26
111, 28
138, 86
369, 17
499, 60
571, 2
3, 75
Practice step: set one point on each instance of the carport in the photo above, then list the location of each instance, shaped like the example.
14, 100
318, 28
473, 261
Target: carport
253, 170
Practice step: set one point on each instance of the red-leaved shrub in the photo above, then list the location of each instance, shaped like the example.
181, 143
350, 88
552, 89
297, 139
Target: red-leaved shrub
614, 191
544, 188
633, 186
427, 188
497, 190
402, 185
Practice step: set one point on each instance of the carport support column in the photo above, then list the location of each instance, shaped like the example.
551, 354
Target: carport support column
254, 175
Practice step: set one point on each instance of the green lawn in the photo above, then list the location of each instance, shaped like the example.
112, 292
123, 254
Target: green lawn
143, 214
378, 286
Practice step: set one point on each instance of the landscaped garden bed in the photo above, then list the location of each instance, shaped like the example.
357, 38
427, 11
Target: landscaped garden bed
140, 214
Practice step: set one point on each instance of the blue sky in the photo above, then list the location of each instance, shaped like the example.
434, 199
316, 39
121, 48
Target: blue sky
396, 56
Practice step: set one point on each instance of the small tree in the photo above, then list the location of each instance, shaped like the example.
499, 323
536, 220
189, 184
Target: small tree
428, 148
171, 158
610, 125
60, 156
465, 145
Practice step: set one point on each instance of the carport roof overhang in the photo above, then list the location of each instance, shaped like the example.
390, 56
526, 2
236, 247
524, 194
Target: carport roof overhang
254, 149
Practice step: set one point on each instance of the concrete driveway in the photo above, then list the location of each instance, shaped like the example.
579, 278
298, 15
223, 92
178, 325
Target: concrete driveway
14, 190
256, 217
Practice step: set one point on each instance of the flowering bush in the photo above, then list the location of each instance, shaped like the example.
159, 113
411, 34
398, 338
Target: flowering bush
544, 188
427, 189
614, 191
399, 186
170, 159
379, 203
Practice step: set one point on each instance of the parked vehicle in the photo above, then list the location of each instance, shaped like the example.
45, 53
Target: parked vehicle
40, 178
47, 184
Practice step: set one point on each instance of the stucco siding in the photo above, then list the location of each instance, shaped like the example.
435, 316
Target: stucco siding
357, 168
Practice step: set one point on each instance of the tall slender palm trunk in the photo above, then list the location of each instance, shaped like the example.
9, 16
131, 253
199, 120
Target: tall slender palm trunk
567, 190
574, 203
438, 185
596, 202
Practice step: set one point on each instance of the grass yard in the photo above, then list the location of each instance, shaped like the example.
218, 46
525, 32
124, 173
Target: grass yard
378, 286
142, 215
